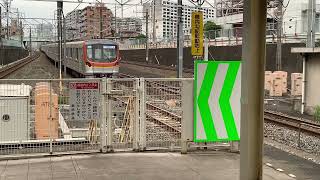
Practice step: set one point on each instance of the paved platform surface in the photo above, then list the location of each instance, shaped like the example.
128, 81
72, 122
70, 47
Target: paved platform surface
131, 166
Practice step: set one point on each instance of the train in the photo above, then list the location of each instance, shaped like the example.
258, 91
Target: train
89, 58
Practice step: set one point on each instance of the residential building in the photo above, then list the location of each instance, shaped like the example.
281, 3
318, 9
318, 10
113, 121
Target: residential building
163, 16
15, 29
73, 25
85, 23
90, 22
127, 27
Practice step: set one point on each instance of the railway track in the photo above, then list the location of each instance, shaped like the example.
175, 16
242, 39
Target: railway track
4, 72
296, 123
164, 67
164, 117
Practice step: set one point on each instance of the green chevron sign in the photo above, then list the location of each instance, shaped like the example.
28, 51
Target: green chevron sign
217, 101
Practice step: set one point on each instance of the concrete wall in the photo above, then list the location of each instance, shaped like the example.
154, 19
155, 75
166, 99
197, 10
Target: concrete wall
291, 62
313, 82
10, 54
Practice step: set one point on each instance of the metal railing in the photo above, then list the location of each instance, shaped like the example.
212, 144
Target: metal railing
50, 116
220, 37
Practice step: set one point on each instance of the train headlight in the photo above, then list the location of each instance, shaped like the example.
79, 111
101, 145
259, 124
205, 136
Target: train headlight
88, 64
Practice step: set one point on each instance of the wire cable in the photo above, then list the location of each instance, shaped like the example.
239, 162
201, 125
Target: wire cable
199, 2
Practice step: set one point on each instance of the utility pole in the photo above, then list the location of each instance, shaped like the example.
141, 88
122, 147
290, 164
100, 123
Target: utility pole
59, 16
122, 9
311, 23
0, 26
147, 36
21, 33
1, 34
19, 24
154, 22
115, 21
279, 36
101, 22
7, 20
30, 42
179, 41
64, 46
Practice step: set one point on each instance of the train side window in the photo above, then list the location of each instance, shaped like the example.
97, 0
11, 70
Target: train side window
73, 51
89, 52
80, 53
77, 54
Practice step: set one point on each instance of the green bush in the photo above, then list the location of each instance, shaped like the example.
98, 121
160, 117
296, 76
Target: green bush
317, 113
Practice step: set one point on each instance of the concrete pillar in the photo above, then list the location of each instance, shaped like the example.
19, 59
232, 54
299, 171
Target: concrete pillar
252, 95
206, 49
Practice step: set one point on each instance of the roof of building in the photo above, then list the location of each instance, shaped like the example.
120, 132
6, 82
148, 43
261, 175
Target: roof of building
12, 90
305, 50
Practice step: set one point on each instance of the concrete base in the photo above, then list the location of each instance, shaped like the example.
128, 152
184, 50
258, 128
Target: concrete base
235, 146
140, 166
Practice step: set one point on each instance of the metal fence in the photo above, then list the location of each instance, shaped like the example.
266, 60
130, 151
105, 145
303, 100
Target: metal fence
50, 116
163, 113
36, 117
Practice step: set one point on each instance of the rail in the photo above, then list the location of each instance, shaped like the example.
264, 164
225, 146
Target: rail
160, 115
300, 124
13, 67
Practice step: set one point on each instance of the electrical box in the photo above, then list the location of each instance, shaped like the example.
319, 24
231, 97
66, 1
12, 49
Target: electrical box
14, 112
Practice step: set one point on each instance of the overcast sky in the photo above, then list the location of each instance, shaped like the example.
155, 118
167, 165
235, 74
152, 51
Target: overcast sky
46, 9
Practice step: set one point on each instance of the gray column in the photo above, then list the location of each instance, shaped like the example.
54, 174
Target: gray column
252, 87
180, 41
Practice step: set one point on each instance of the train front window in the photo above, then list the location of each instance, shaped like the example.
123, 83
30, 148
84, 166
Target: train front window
101, 53
89, 52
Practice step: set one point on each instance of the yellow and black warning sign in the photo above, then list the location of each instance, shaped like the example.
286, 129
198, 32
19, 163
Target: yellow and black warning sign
197, 34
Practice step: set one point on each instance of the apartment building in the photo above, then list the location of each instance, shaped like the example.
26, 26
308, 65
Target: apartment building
85, 23
73, 25
164, 14
127, 27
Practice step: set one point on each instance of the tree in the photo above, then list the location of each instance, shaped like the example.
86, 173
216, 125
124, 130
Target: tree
141, 36
317, 43
211, 26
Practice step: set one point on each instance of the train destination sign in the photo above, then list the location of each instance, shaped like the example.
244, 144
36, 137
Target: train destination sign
217, 101
197, 34
84, 101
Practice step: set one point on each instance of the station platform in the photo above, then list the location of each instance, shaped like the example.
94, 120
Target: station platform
133, 166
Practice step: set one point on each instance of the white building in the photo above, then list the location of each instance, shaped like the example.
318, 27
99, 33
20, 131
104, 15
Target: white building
294, 16
166, 13
127, 27
45, 32
73, 25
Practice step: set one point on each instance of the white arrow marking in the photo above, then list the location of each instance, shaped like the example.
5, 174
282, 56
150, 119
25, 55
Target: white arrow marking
214, 101
235, 100
202, 68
